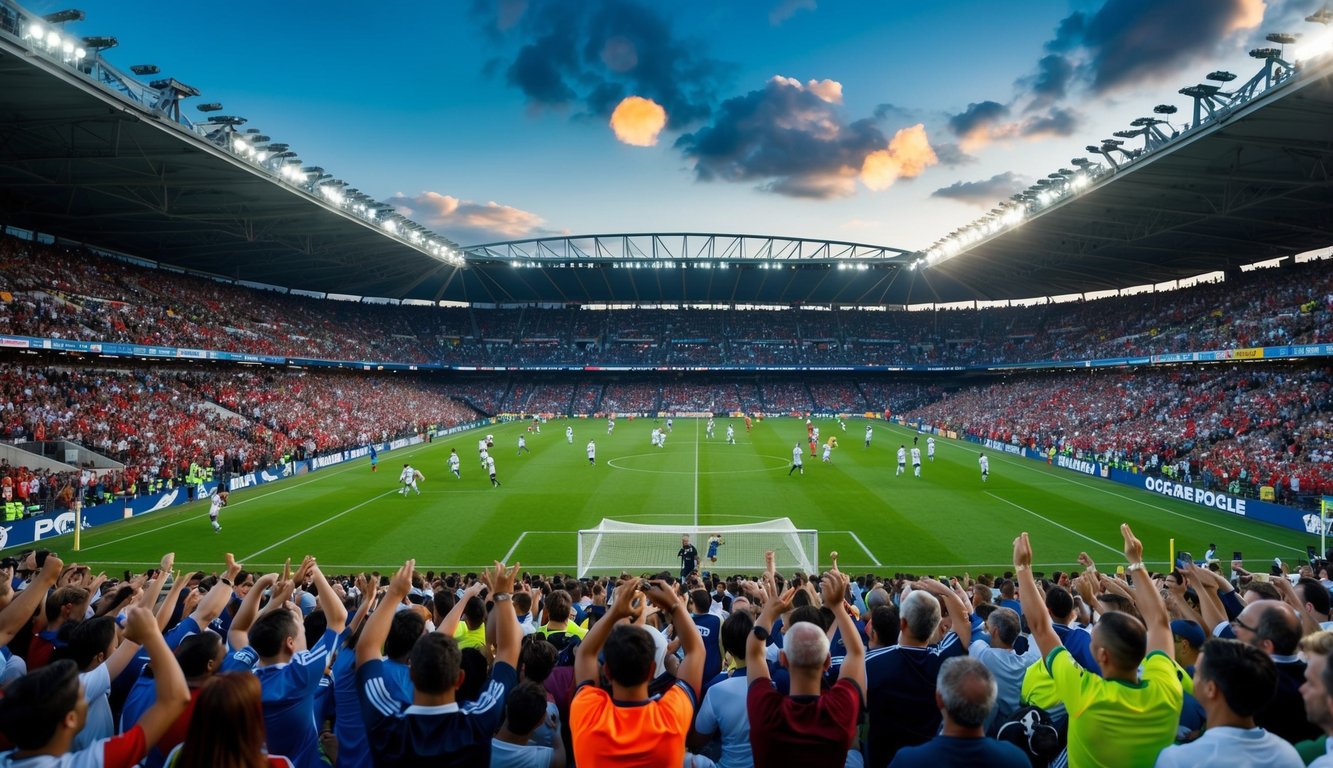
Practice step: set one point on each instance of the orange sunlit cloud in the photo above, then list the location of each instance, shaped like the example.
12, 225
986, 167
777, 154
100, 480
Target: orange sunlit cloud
908, 154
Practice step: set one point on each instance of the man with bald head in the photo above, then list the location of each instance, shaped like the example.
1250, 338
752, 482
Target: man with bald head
1274, 628
810, 727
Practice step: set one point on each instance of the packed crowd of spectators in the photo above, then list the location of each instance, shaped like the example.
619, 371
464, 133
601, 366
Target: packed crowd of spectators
1197, 665
54, 292
158, 422
1236, 428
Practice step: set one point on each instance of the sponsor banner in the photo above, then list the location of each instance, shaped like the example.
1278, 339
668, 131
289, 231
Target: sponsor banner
1078, 465
1253, 509
996, 445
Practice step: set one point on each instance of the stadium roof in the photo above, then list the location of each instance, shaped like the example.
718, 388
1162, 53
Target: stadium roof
81, 161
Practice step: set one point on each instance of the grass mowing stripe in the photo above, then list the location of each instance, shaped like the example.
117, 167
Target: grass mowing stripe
323, 522
696, 477
1052, 522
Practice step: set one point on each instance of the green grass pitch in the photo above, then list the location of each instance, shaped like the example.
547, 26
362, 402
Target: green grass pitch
947, 521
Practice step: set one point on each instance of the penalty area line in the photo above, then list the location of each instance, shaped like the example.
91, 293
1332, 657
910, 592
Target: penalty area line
863, 547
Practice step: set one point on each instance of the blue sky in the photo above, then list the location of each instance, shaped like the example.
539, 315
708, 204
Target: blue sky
889, 123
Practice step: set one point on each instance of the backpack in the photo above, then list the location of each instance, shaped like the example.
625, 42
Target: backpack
1032, 730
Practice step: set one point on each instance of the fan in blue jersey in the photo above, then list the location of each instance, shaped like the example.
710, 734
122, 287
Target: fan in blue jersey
289, 675
433, 729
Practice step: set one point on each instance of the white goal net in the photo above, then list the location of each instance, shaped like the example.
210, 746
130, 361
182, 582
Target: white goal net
614, 546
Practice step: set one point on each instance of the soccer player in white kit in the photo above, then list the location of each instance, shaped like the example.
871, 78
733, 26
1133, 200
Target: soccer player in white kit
219, 501
731, 435
796, 460
610, 425
984, 463
930, 448
916, 461
708, 433
828, 453
902, 460
592, 452
669, 424
490, 467
569, 435
870, 432
408, 477
454, 463
522, 446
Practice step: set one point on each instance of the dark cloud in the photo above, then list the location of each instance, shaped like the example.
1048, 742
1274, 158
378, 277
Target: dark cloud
951, 154
590, 59
1127, 41
1060, 121
978, 116
794, 141
984, 193
1051, 83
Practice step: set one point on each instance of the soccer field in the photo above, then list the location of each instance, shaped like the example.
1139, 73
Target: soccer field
946, 521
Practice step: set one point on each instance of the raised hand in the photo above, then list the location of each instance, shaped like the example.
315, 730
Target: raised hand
233, 568
779, 604
503, 577
401, 582
168, 560
833, 590
1086, 561
1133, 547
1022, 551
140, 624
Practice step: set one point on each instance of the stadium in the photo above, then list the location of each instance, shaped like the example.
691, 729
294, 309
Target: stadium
212, 345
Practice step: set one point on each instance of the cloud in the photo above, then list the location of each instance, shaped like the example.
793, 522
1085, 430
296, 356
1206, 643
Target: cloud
979, 124
895, 113
467, 222
907, 155
637, 121
951, 155
588, 62
984, 193
787, 8
792, 139
985, 122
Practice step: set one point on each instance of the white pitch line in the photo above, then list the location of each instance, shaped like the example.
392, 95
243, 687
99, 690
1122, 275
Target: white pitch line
517, 541
323, 522
1031, 466
319, 476
863, 547
1057, 525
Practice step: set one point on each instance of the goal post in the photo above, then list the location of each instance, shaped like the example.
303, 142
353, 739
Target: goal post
615, 546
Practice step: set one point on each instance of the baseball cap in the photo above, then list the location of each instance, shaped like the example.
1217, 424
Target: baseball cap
1188, 631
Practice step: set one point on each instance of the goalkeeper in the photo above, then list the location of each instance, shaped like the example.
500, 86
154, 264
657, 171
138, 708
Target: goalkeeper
714, 542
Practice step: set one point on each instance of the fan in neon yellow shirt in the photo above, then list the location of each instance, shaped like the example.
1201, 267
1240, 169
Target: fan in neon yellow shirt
1122, 717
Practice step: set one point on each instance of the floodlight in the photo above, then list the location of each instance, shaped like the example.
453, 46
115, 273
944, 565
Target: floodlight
145, 69
52, 39
100, 42
1112, 142
1265, 53
1165, 109
60, 17
181, 89
226, 120
36, 30
211, 106
1126, 134
1220, 76
1281, 38
1081, 162
1200, 91
1321, 16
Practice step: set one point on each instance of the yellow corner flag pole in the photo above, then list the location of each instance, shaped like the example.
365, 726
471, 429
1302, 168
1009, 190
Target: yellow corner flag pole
78, 523
1172, 562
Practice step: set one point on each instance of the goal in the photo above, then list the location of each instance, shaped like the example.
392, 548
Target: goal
614, 546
